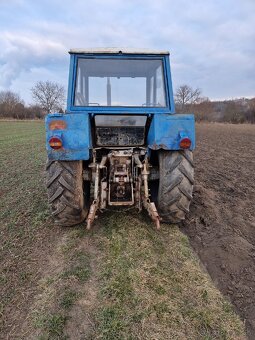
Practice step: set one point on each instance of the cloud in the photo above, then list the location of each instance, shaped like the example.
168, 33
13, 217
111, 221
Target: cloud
211, 42
21, 52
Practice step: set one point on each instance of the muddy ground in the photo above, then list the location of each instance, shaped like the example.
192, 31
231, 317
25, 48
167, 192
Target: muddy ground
221, 225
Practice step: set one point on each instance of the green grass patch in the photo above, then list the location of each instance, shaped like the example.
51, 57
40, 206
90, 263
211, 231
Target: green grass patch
151, 286
23, 204
68, 298
112, 323
79, 266
60, 291
80, 272
52, 326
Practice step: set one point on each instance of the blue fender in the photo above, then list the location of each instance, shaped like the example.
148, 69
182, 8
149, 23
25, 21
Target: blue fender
166, 131
75, 135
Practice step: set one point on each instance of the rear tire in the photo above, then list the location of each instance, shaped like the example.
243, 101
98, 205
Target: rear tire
66, 192
176, 179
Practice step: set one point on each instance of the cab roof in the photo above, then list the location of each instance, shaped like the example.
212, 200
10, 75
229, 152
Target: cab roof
115, 50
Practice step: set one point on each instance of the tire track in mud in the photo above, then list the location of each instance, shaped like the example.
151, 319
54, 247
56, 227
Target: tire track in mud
81, 323
61, 275
221, 223
16, 313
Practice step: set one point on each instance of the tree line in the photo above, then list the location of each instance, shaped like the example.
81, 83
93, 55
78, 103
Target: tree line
50, 97
241, 110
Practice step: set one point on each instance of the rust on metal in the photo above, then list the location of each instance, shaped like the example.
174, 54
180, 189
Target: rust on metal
57, 125
156, 146
92, 214
148, 205
152, 211
121, 179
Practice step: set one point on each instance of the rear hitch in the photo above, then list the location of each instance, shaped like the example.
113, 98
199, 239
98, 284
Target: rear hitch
148, 205
94, 206
92, 213
125, 184
152, 211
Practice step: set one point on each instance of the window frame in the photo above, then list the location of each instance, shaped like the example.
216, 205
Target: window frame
169, 108
128, 106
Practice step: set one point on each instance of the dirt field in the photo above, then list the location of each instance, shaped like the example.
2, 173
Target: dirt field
221, 226
125, 280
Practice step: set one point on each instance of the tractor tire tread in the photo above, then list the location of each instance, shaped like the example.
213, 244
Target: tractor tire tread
176, 181
66, 192
188, 156
175, 184
174, 165
66, 185
186, 173
54, 177
56, 194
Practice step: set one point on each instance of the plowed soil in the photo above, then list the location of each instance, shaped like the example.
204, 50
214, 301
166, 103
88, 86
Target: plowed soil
221, 224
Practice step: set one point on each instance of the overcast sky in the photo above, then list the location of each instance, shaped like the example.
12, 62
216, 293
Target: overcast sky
212, 42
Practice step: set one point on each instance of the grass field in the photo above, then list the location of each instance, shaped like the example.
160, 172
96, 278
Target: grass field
122, 280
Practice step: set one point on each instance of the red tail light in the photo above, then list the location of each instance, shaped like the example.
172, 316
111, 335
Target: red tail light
185, 143
55, 143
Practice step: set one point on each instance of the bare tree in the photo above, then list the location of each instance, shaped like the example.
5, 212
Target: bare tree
11, 105
48, 95
187, 95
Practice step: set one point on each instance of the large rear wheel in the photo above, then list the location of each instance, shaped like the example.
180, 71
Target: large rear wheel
68, 197
176, 179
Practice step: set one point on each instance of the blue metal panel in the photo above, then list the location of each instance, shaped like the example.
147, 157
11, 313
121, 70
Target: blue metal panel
76, 136
166, 131
70, 81
111, 110
118, 110
169, 82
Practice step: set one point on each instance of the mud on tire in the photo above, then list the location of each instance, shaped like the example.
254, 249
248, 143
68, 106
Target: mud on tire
65, 192
176, 179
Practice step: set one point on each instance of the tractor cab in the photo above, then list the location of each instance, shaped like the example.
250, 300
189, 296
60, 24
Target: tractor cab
105, 80
120, 137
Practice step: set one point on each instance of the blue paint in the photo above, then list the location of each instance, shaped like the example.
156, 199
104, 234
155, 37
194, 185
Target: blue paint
165, 132
170, 92
167, 75
76, 137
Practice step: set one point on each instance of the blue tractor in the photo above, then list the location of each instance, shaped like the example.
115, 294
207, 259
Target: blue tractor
120, 142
